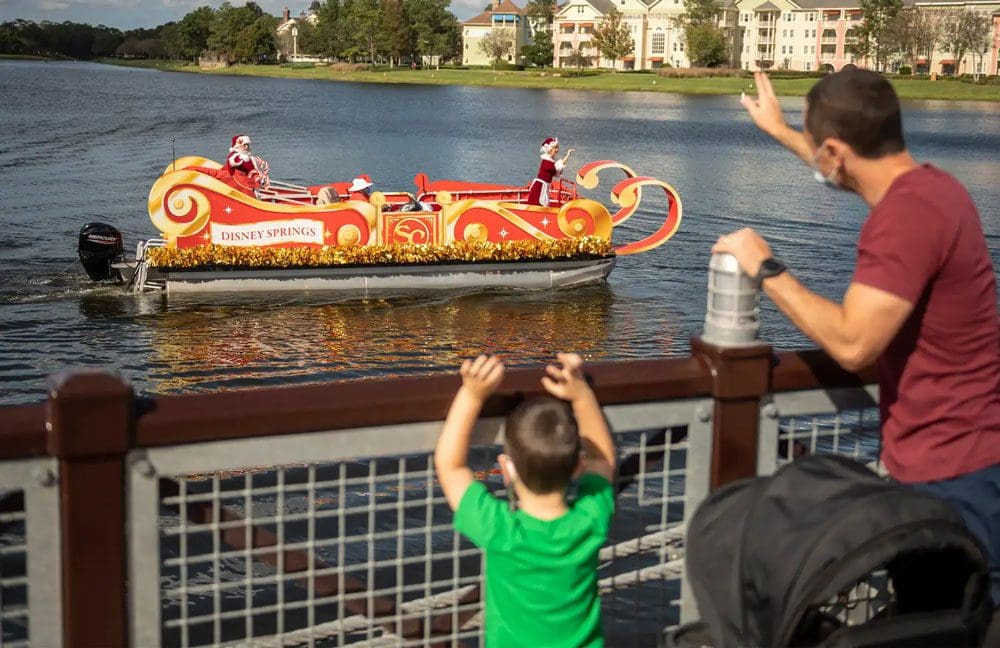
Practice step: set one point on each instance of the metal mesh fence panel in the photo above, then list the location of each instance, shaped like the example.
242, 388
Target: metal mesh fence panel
30, 580
362, 551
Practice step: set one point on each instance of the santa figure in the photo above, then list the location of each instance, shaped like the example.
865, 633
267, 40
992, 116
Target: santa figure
240, 159
550, 167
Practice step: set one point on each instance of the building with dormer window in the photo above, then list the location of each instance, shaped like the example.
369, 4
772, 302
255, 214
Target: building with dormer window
500, 15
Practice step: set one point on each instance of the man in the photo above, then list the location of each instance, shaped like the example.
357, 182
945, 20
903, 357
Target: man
922, 301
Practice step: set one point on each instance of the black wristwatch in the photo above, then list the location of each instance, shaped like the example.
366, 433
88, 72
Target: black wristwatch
769, 267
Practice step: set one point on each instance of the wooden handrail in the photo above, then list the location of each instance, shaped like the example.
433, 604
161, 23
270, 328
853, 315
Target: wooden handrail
193, 418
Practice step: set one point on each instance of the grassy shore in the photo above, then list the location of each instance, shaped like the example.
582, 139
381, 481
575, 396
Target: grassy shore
30, 57
607, 82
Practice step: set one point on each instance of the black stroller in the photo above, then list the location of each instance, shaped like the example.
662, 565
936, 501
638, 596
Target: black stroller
825, 553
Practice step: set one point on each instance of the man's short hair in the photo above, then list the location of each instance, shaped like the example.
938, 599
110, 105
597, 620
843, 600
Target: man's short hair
543, 442
858, 107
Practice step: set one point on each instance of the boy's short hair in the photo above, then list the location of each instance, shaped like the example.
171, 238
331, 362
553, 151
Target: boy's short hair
859, 107
543, 441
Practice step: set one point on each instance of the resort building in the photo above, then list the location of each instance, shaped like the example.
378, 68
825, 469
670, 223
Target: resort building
503, 16
805, 35
288, 21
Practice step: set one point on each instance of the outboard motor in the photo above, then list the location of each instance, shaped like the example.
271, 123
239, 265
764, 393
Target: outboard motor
100, 245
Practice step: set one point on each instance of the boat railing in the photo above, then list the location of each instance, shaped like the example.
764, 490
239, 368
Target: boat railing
285, 192
140, 281
310, 514
514, 194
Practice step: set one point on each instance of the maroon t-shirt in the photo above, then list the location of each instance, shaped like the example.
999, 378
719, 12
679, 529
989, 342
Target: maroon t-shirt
939, 378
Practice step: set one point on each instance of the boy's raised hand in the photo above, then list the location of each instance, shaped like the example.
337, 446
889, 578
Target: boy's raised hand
567, 381
482, 376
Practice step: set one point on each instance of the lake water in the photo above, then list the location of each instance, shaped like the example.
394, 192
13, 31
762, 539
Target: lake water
82, 142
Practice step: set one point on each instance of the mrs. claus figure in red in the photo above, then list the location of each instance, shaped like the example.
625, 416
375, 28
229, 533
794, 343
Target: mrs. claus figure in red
538, 193
240, 159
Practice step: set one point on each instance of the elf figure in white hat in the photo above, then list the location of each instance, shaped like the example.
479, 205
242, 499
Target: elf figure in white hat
550, 167
361, 188
240, 159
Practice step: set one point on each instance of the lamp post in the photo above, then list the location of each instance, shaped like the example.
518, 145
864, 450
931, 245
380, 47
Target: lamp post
295, 41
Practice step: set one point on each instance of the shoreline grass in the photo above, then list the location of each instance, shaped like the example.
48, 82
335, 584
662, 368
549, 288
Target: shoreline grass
604, 82
32, 57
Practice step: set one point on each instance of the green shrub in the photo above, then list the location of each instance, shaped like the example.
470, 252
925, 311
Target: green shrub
697, 73
905, 70
574, 73
795, 74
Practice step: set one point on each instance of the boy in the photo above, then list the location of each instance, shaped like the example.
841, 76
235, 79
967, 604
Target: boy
541, 560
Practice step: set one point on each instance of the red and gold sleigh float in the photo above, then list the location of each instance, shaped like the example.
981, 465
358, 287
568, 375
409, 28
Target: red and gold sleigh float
222, 229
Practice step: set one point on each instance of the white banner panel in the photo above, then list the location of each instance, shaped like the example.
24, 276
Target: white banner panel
298, 230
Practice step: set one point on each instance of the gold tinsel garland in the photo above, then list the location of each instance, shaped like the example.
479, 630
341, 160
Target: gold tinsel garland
305, 257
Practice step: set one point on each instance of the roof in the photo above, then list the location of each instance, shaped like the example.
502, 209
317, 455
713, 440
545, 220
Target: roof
502, 7
856, 4
603, 6
485, 18
767, 6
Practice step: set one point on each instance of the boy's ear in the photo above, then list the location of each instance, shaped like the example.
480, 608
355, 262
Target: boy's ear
507, 469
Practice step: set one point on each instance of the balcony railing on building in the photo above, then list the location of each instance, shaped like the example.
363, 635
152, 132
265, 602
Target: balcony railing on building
310, 515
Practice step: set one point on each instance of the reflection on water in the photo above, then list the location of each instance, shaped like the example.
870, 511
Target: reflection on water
248, 342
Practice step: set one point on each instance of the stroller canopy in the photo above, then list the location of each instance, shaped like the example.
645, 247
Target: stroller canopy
763, 551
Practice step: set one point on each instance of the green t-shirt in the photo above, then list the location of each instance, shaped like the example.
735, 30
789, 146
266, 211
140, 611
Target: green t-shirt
541, 576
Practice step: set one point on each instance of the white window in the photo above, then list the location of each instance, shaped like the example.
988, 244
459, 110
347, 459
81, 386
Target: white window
791, 33
784, 33
783, 49
675, 46
808, 66
682, 45
579, 9
658, 44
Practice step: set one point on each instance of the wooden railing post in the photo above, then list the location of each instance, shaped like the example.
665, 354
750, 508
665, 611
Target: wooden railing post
89, 422
740, 377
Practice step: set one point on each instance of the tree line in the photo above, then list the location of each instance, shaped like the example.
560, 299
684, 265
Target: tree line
891, 32
67, 39
376, 31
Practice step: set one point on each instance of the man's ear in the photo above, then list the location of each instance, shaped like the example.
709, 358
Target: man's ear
837, 149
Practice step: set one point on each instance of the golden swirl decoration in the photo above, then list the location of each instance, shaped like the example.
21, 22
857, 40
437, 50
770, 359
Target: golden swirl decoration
629, 194
587, 178
177, 207
587, 175
470, 251
182, 163
576, 217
